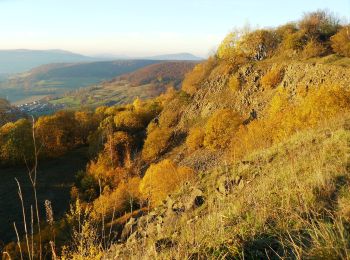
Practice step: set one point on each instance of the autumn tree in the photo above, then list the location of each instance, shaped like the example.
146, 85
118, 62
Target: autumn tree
156, 143
195, 138
16, 143
220, 128
195, 78
162, 179
319, 25
341, 41
259, 44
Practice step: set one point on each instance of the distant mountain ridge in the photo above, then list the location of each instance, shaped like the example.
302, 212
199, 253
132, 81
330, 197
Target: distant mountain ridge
176, 56
20, 60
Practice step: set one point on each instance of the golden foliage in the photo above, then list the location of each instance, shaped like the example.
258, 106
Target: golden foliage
112, 162
119, 200
85, 242
220, 128
195, 78
228, 47
16, 144
313, 49
195, 138
162, 179
128, 120
156, 143
272, 78
234, 83
259, 44
341, 41
286, 116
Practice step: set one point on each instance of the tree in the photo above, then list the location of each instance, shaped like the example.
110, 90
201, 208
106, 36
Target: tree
220, 128
341, 41
57, 133
128, 121
259, 44
319, 25
16, 144
162, 179
156, 143
195, 138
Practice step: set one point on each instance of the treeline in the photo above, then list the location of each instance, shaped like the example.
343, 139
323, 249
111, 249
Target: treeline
317, 34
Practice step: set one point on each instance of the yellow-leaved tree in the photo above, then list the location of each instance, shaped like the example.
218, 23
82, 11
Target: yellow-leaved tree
162, 179
220, 128
341, 41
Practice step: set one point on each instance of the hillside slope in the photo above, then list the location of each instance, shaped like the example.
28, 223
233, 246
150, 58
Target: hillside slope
55, 79
258, 205
147, 82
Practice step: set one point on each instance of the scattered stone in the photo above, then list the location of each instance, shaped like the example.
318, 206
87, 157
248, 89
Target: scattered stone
163, 243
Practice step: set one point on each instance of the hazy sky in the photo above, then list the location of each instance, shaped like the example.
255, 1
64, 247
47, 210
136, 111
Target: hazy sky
142, 27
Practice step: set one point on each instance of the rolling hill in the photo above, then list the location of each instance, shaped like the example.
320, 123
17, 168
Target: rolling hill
56, 79
144, 83
15, 61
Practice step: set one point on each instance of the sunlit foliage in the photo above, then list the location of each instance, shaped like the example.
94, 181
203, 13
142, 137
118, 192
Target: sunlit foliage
234, 83
195, 138
156, 143
286, 116
16, 143
162, 179
195, 78
272, 78
341, 41
220, 128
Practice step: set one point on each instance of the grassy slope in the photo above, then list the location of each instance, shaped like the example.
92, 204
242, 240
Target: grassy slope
55, 178
280, 206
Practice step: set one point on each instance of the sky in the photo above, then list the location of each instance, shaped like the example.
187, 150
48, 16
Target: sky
139, 28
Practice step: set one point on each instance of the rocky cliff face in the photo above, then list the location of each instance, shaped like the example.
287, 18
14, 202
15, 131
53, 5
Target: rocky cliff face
214, 93
159, 230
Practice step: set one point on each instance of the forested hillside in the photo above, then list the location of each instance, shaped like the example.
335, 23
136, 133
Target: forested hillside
248, 160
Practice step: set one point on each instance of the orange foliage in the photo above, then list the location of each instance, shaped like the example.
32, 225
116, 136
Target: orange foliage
162, 179
120, 200
220, 128
195, 138
16, 144
195, 78
341, 42
156, 143
285, 117
272, 78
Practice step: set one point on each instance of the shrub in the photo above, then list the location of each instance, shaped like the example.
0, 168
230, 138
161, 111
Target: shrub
259, 44
313, 49
220, 128
285, 117
124, 198
341, 42
272, 78
294, 41
128, 121
194, 78
156, 143
16, 143
195, 138
319, 25
234, 83
163, 178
